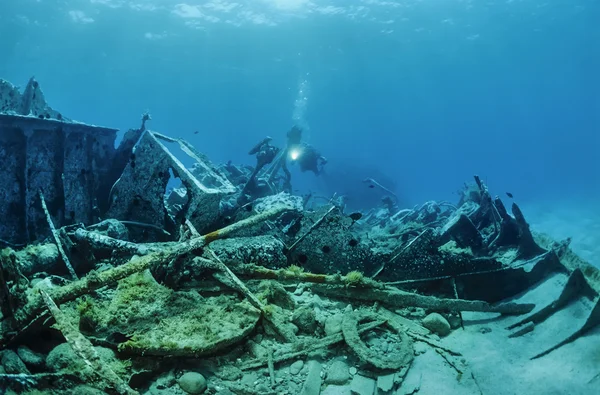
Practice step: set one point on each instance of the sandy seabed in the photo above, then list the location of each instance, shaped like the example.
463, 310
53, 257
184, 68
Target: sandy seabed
578, 219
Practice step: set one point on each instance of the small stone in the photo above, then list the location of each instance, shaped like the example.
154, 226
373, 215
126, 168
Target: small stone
385, 346
336, 390
230, 373
62, 357
337, 373
31, 358
410, 385
305, 320
296, 367
249, 378
312, 384
372, 341
258, 350
385, 384
420, 348
400, 375
193, 383
333, 324
485, 329
436, 323
12, 363
353, 370
414, 313
262, 388
362, 386
86, 390
316, 302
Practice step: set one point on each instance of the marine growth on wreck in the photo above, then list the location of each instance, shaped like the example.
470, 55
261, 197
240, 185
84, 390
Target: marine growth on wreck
112, 282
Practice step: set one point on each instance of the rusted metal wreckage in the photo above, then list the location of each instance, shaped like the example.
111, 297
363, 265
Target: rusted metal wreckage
41, 150
84, 177
57, 173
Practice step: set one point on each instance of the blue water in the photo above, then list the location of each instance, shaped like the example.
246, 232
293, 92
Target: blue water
420, 94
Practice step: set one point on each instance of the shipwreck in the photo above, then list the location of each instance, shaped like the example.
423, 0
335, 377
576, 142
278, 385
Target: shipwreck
125, 271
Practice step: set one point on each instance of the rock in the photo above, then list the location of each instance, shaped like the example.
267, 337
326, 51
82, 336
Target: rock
420, 348
454, 320
296, 367
353, 370
411, 384
256, 349
400, 375
333, 324
192, 383
113, 228
299, 289
305, 319
31, 358
362, 385
63, 357
249, 379
316, 302
262, 388
87, 390
37, 258
385, 384
274, 293
337, 373
385, 347
312, 384
336, 390
11, 363
164, 382
230, 373
436, 323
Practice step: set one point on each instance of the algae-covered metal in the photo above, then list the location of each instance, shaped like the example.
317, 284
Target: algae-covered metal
42, 151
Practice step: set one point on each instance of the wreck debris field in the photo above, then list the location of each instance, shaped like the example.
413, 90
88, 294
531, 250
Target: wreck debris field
124, 271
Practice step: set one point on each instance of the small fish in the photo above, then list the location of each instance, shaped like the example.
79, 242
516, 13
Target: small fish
355, 216
510, 195
196, 132
371, 186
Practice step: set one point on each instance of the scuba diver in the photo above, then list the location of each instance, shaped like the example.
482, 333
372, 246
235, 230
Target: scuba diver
270, 160
307, 156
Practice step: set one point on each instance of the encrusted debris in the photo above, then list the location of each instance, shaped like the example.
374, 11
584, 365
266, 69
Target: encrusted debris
218, 279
